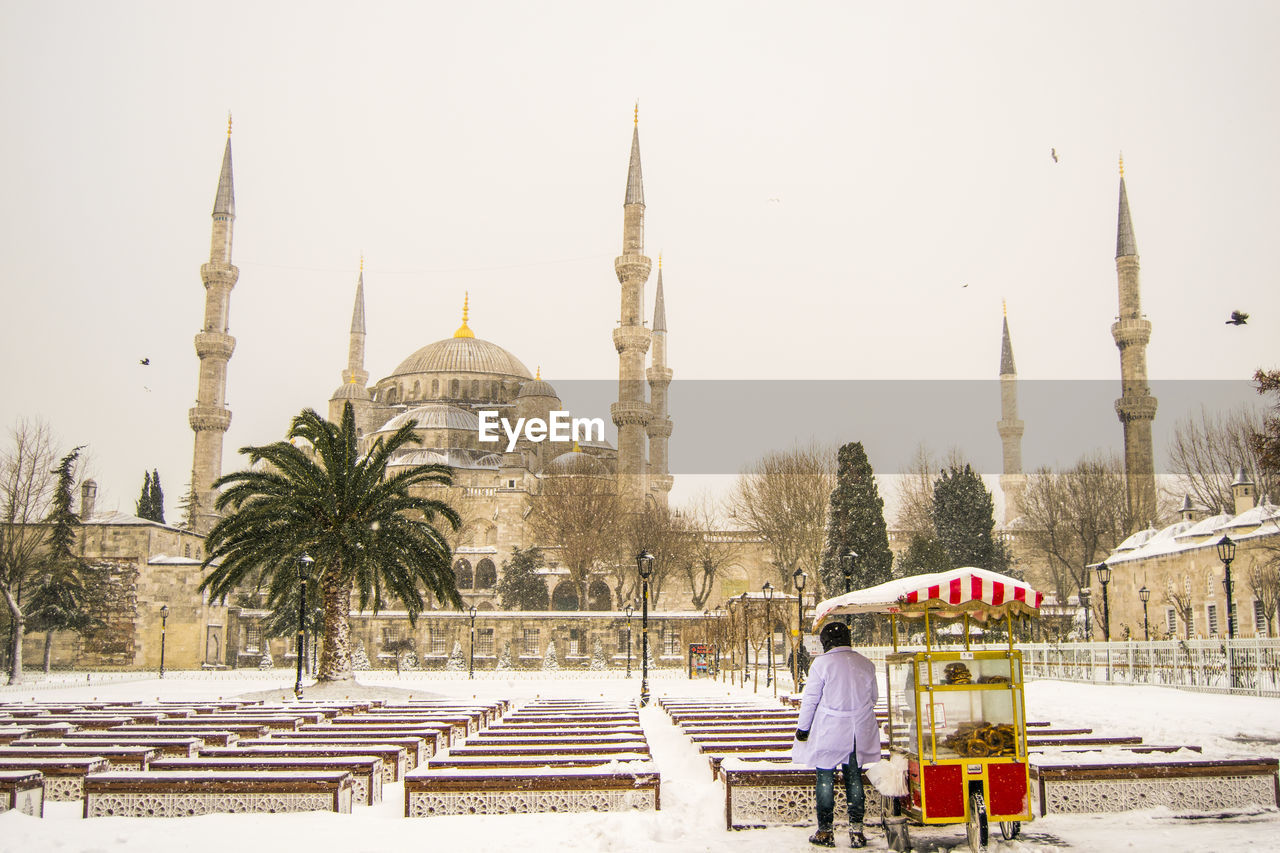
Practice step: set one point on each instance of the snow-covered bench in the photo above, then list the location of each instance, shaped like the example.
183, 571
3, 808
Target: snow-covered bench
365, 770
63, 777
416, 748
22, 791
174, 745
449, 791
759, 794
215, 736
391, 758
119, 757
1107, 785
197, 792
437, 736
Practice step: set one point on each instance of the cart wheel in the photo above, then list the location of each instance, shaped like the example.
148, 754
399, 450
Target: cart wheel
977, 828
1010, 829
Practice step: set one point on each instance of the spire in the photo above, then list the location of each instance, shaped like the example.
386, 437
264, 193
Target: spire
659, 304
1007, 367
1125, 243
357, 313
635, 180
225, 201
464, 331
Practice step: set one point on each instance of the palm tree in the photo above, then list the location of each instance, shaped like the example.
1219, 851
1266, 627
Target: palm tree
363, 528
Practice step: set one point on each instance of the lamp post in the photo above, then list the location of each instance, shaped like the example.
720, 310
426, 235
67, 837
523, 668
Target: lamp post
746, 643
847, 566
1144, 595
1084, 602
644, 565
304, 569
164, 617
768, 632
471, 665
719, 616
798, 577
1104, 577
1227, 553
629, 609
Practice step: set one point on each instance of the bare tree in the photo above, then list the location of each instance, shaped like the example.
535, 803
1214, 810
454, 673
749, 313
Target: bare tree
1207, 451
664, 534
1264, 582
27, 480
711, 550
783, 498
915, 490
1266, 440
583, 515
1075, 518
1181, 602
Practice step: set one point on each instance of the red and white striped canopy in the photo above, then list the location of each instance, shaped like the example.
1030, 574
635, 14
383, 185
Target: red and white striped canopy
977, 592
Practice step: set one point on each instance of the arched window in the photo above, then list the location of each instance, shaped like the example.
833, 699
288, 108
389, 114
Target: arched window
598, 596
417, 390
453, 388
484, 605
435, 387
462, 574
486, 574
491, 537
475, 387
565, 597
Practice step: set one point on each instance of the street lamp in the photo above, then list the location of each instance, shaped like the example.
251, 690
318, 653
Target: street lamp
1227, 553
1085, 592
644, 565
798, 577
629, 609
164, 617
304, 569
768, 628
1104, 577
471, 666
1144, 595
847, 565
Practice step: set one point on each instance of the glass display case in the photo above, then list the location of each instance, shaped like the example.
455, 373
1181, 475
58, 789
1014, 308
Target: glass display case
950, 705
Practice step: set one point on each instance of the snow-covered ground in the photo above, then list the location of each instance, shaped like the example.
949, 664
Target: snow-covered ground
692, 815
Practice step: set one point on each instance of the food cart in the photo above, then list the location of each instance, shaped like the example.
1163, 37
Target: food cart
955, 714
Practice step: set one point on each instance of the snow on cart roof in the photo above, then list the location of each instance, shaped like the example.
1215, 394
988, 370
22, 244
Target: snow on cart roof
979, 593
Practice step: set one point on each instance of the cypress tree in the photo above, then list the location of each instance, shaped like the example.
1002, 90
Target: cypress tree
856, 522
964, 516
157, 498
521, 587
143, 509
59, 601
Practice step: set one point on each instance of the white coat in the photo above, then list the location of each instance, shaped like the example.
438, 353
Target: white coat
838, 710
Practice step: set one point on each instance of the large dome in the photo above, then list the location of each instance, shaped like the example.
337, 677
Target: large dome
463, 355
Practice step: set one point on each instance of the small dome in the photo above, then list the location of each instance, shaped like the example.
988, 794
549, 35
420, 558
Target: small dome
350, 391
1137, 540
1204, 527
575, 462
435, 416
537, 388
454, 457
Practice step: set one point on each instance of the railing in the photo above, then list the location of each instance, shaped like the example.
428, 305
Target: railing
1249, 667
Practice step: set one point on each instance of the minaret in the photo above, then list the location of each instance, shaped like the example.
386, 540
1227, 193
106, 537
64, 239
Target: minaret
659, 426
210, 417
355, 378
1136, 408
631, 338
1012, 482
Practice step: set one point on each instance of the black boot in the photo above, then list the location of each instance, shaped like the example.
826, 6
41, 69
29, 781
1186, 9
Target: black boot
856, 837
823, 838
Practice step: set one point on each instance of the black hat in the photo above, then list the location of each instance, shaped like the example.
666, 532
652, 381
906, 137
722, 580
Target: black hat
834, 634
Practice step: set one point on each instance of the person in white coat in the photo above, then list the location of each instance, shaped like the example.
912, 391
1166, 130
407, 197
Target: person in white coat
838, 728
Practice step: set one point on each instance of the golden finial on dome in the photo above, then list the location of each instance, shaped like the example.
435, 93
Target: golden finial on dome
539, 374
576, 447
362, 263
637, 113
1122, 164
1005, 306
464, 331
228, 124
659, 260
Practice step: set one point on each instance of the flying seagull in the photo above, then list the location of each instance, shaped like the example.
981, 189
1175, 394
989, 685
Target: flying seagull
144, 361
1053, 152
1238, 318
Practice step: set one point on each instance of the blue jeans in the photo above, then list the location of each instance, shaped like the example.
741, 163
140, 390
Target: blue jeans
825, 794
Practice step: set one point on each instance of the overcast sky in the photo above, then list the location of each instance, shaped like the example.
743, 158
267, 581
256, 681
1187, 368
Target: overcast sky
840, 191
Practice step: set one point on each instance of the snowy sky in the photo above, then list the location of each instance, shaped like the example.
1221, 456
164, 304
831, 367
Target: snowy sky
840, 191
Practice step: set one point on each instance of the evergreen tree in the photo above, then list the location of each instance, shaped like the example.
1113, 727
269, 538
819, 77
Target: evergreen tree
59, 600
855, 522
521, 587
964, 516
456, 662
504, 659
143, 507
924, 555
360, 659
598, 662
157, 497
550, 663
266, 661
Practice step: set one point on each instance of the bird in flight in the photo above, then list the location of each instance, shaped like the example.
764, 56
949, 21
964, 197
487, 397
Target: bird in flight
1053, 152
1238, 318
144, 361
